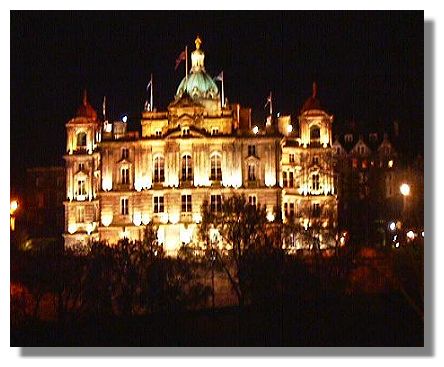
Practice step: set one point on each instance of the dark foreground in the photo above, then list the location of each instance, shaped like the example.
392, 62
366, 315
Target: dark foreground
370, 320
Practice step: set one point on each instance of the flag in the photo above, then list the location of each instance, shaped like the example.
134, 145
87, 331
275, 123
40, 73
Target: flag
149, 84
220, 76
181, 57
268, 100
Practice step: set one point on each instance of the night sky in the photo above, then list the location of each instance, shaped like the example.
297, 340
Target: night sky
368, 65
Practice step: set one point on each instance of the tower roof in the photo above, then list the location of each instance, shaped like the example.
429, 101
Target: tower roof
198, 84
312, 102
85, 109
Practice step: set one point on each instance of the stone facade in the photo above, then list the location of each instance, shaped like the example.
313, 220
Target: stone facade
199, 149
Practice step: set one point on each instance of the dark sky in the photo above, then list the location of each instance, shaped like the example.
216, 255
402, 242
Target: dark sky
368, 65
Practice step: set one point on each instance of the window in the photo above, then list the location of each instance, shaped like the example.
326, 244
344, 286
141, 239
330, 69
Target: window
186, 203
80, 214
125, 153
81, 140
361, 149
124, 206
291, 209
348, 138
316, 210
290, 179
158, 133
159, 172
252, 200
373, 137
291, 158
355, 163
252, 150
158, 204
315, 181
338, 150
81, 166
124, 174
284, 176
186, 131
214, 131
216, 203
315, 134
187, 168
315, 160
81, 187
286, 209
251, 172
216, 170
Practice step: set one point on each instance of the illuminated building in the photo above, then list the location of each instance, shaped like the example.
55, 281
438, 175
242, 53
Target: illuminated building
198, 149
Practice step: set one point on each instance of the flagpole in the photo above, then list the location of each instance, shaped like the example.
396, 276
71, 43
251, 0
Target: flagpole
271, 105
223, 98
186, 63
151, 96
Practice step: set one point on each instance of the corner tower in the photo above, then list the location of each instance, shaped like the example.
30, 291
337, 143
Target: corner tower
82, 175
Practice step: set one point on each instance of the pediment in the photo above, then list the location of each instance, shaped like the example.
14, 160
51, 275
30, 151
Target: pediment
252, 159
124, 161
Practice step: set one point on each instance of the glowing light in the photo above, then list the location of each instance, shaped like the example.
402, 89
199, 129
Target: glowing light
197, 218
138, 185
72, 228
145, 219
107, 219
137, 218
392, 226
174, 218
89, 228
270, 216
161, 235
342, 241
411, 235
164, 218
397, 244
186, 234
255, 130
13, 207
422, 234
125, 118
404, 189
289, 129
390, 163
107, 184
124, 233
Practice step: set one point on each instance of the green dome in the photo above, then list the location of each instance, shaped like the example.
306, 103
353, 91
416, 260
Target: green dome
199, 84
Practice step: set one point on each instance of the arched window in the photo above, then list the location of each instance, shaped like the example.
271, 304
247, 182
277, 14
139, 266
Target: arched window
216, 169
81, 140
315, 134
251, 172
187, 168
159, 169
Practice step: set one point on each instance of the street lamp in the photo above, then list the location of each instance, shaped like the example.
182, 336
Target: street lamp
404, 189
12, 209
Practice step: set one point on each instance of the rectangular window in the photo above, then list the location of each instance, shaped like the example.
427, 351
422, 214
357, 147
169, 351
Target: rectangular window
291, 209
291, 158
81, 166
284, 177
125, 176
252, 150
286, 209
315, 160
81, 187
214, 131
80, 214
125, 153
158, 133
315, 179
158, 204
316, 210
124, 206
252, 200
216, 203
290, 179
216, 169
186, 203
251, 172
